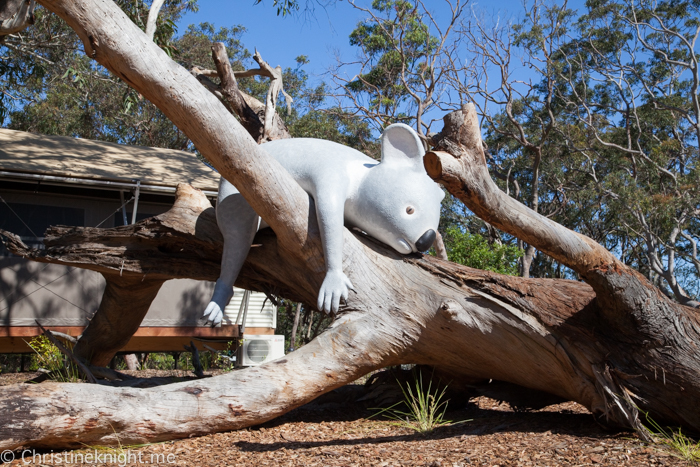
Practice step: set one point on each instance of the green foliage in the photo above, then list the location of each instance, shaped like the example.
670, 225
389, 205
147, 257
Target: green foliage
224, 359
284, 7
49, 358
474, 251
193, 48
335, 125
397, 44
66, 93
605, 140
311, 118
678, 444
425, 407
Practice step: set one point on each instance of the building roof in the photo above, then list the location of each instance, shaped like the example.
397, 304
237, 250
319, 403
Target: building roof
81, 159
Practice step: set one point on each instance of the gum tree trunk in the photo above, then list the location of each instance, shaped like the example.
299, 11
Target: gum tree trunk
613, 344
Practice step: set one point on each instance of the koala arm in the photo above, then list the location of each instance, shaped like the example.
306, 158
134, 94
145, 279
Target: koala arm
330, 214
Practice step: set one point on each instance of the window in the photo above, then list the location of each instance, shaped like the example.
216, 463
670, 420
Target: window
30, 221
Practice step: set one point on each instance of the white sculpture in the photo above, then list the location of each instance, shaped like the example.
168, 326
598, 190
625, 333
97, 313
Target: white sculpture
393, 201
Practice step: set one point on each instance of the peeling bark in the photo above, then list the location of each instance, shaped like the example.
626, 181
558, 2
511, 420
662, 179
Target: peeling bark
406, 310
543, 334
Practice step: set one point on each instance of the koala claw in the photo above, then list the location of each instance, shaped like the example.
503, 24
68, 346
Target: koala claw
335, 287
213, 314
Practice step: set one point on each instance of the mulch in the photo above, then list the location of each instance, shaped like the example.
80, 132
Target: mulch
335, 430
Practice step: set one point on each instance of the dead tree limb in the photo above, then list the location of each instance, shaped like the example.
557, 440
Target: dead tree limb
276, 86
439, 246
110, 328
153, 18
250, 118
260, 120
638, 314
15, 15
538, 333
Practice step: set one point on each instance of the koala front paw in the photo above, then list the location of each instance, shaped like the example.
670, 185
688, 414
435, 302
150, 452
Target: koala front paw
335, 286
213, 314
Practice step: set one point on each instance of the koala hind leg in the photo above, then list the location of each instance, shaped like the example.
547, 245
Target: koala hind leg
238, 224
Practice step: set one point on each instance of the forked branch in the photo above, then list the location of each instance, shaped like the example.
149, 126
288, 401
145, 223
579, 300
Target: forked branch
458, 162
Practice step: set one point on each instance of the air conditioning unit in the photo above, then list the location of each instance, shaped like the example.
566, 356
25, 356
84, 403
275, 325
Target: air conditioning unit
256, 350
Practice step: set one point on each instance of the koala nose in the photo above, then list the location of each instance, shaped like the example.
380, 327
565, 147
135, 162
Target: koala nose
425, 240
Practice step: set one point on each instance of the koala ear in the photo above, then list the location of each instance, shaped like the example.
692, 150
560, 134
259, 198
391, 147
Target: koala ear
401, 145
442, 193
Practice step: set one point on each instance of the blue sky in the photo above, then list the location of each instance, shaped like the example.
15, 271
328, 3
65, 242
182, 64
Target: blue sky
319, 35
281, 39
323, 35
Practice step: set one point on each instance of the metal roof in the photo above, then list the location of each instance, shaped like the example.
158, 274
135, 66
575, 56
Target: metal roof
84, 161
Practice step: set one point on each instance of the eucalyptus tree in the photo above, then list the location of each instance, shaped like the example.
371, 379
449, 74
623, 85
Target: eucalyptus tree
398, 75
631, 80
602, 135
519, 112
49, 86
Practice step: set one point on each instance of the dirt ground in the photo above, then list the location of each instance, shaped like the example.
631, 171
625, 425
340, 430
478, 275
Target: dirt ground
335, 430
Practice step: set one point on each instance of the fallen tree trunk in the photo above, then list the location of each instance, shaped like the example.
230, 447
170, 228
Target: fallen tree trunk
613, 345
474, 325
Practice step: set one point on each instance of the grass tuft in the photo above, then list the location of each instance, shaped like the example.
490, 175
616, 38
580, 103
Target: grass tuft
425, 408
51, 360
678, 444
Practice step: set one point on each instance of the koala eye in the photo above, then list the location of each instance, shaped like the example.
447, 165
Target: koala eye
410, 210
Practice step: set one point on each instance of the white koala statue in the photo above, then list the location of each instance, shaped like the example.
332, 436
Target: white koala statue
393, 201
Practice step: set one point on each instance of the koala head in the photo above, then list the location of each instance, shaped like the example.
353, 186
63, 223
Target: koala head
398, 202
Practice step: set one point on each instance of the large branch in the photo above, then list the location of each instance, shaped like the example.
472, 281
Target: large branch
106, 415
631, 308
459, 163
471, 324
15, 15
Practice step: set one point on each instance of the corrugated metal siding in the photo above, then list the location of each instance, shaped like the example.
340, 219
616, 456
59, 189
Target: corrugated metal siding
258, 316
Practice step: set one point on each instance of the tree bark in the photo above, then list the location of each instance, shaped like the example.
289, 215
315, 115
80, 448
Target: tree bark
295, 326
418, 309
15, 15
111, 328
644, 321
439, 245
613, 344
543, 334
132, 362
252, 113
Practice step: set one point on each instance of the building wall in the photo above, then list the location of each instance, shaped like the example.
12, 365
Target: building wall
261, 312
98, 211
65, 296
